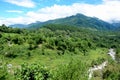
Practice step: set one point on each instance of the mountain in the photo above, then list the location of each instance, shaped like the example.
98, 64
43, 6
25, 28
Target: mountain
37, 24
118, 29
18, 26
81, 20
116, 25
78, 20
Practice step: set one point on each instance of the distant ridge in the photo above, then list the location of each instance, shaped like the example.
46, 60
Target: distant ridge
117, 26
78, 20
18, 26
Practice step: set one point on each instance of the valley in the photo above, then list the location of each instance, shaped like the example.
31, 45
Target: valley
59, 52
59, 39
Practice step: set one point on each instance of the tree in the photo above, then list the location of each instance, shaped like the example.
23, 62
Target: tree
32, 72
0, 35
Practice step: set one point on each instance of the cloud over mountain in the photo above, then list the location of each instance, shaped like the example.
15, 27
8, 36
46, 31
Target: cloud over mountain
108, 10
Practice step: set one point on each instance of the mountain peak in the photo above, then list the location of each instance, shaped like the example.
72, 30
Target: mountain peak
78, 20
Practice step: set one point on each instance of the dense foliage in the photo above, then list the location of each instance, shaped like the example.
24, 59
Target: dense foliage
65, 50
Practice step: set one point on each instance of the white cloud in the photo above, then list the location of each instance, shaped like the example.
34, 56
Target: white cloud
14, 11
24, 3
9, 21
109, 10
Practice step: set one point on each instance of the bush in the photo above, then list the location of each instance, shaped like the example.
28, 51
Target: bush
72, 71
32, 72
0, 35
3, 70
112, 72
10, 54
3, 73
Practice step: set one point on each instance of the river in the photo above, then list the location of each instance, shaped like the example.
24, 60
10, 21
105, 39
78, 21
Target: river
101, 66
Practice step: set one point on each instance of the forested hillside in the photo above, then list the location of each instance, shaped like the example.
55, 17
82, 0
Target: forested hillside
57, 52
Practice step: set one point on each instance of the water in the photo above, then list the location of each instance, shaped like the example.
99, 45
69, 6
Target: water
101, 66
112, 53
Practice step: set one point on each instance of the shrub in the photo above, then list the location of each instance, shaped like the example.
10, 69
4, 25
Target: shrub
72, 71
0, 35
10, 54
32, 72
3, 70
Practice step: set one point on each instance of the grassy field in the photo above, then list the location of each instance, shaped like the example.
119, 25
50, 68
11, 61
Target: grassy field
63, 59
53, 62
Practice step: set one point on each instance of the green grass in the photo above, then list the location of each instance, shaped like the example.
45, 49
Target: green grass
55, 60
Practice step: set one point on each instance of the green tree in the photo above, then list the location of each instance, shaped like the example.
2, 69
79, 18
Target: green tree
32, 72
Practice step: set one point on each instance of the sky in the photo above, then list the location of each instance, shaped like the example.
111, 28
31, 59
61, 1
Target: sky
30, 11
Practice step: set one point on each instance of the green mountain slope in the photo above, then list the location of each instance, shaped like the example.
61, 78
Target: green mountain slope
81, 20
19, 25
78, 20
117, 26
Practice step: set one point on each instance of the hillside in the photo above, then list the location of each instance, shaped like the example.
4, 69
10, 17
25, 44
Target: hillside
57, 52
78, 20
60, 40
81, 20
18, 26
116, 25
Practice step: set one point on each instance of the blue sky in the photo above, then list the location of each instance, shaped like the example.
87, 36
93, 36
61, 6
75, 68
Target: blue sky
28, 11
6, 7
